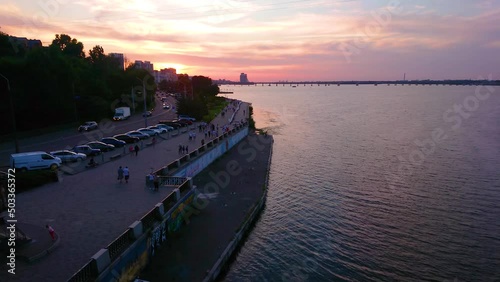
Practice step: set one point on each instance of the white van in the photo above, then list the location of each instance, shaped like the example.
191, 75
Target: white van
34, 160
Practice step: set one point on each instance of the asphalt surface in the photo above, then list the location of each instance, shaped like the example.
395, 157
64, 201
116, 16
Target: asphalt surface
90, 209
69, 138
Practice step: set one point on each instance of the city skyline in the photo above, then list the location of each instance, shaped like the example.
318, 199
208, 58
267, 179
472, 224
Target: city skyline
282, 40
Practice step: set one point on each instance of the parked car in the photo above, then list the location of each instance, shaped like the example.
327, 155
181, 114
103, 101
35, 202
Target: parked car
184, 122
186, 117
149, 132
138, 134
175, 125
168, 128
88, 126
34, 160
68, 156
101, 146
127, 139
158, 129
147, 114
86, 149
113, 141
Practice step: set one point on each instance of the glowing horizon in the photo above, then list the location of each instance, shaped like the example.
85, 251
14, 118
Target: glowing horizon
279, 40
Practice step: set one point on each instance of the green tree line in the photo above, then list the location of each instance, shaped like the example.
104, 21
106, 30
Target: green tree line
62, 84
198, 95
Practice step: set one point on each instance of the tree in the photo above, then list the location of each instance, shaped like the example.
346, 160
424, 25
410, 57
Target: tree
68, 45
184, 85
8, 47
203, 87
96, 55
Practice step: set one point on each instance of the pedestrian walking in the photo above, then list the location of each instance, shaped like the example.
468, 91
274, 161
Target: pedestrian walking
131, 150
180, 149
156, 182
153, 141
202, 142
126, 174
120, 174
151, 179
136, 149
187, 149
51, 232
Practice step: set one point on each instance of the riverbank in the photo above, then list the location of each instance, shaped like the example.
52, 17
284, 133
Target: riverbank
229, 190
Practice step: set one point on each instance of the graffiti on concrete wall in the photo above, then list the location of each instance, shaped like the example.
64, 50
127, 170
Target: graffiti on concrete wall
158, 237
175, 220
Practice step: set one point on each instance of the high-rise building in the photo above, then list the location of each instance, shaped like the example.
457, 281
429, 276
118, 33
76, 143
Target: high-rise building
120, 58
147, 65
25, 43
168, 74
243, 78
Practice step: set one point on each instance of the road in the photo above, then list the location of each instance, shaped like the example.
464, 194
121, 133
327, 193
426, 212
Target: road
69, 138
90, 209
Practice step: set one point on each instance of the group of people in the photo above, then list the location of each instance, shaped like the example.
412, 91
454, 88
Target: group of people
192, 135
154, 179
133, 149
123, 173
183, 149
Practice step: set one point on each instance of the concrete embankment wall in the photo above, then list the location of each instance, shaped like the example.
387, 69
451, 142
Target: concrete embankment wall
127, 255
225, 144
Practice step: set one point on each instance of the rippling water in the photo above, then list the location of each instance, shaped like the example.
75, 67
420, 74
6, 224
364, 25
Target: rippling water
383, 183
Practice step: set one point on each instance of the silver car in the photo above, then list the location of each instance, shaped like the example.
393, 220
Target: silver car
149, 132
68, 156
137, 134
157, 129
169, 128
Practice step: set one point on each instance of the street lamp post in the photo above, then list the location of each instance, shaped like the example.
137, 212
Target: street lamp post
144, 93
12, 113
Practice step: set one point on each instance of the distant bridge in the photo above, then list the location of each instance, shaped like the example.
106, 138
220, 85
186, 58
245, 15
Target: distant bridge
375, 83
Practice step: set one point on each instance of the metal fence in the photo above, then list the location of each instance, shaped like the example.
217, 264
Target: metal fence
119, 245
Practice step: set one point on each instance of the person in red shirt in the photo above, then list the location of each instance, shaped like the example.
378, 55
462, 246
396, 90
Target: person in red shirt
51, 232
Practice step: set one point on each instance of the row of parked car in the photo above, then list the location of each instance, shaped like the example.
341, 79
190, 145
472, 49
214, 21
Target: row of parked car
52, 160
94, 148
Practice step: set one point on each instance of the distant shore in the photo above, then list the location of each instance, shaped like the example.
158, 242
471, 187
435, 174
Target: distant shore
468, 82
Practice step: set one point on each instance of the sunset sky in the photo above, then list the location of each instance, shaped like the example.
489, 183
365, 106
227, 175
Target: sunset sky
279, 40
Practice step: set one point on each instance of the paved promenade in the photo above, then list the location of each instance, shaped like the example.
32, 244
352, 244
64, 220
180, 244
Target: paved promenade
188, 255
90, 209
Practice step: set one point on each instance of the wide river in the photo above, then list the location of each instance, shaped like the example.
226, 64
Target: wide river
377, 183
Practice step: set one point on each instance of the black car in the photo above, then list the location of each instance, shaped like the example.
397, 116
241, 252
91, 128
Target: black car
147, 114
113, 141
86, 149
185, 121
126, 138
175, 125
101, 146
